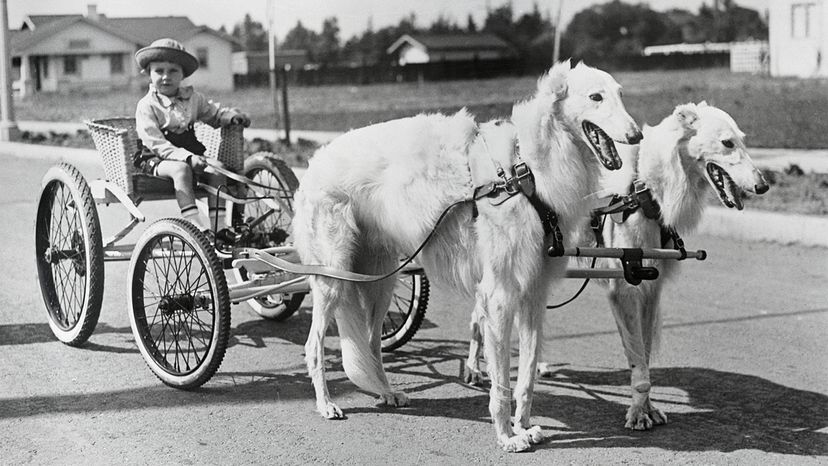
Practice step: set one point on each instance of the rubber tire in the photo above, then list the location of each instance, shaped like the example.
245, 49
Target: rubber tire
191, 239
281, 306
86, 234
397, 332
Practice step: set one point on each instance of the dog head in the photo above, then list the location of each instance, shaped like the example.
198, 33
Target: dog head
588, 102
715, 145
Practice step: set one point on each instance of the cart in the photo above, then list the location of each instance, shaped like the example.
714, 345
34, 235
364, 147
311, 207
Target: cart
178, 296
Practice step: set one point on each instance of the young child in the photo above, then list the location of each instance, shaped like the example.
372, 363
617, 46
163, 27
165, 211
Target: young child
164, 120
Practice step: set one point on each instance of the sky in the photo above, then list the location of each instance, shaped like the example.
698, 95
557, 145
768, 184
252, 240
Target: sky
352, 15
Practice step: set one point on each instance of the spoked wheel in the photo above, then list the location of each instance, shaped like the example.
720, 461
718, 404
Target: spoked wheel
407, 310
69, 254
270, 228
179, 306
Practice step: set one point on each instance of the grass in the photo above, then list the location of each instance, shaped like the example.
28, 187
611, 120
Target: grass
774, 112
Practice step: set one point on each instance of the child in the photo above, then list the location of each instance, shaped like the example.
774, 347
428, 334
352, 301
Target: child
164, 120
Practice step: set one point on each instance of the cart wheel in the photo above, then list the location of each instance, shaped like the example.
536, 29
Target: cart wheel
179, 306
407, 310
69, 254
268, 169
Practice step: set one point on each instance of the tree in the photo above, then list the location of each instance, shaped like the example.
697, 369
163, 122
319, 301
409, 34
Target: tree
328, 45
444, 25
251, 34
471, 26
302, 39
617, 29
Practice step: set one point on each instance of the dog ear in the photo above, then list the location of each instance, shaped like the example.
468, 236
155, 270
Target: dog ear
554, 81
703, 103
686, 116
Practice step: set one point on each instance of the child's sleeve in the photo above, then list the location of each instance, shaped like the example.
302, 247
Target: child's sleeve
148, 128
212, 112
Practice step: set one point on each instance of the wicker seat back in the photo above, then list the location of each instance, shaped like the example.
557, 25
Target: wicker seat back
117, 141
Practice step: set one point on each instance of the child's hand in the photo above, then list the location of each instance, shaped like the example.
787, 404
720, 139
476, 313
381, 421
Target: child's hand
198, 163
241, 119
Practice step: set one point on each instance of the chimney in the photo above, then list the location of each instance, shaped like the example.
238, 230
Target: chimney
92, 11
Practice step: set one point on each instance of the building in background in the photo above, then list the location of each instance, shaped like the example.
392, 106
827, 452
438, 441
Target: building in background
429, 48
797, 38
66, 53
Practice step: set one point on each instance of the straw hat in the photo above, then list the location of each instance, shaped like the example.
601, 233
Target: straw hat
169, 50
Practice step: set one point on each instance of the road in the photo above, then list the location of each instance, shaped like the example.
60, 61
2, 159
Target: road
742, 375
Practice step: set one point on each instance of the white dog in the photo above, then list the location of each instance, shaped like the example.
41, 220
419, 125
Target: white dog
694, 146
373, 195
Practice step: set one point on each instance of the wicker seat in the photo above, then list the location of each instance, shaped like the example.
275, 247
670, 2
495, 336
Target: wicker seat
116, 140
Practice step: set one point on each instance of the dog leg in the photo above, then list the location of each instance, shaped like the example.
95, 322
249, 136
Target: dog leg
498, 320
473, 375
629, 306
530, 321
315, 347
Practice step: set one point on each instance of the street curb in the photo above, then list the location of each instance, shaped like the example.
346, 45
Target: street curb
758, 225
750, 225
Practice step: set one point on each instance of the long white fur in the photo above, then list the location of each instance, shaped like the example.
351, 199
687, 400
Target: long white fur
671, 161
372, 195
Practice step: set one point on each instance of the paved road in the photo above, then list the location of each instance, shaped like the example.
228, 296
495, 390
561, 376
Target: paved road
742, 375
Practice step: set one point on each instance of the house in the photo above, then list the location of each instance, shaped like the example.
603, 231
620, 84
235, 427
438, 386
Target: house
66, 53
797, 37
426, 48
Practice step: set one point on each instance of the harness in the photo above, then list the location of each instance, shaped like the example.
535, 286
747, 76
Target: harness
520, 180
621, 207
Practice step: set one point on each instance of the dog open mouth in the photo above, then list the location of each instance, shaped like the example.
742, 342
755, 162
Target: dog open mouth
602, 146
729, 193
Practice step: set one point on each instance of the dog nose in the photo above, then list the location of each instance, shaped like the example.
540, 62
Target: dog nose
635, 137
761, 186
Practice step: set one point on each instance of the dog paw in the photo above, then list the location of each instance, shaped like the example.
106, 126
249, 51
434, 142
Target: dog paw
534, 435
330, 410
473, 377
644, 417
397, 399
546, 370
515, 443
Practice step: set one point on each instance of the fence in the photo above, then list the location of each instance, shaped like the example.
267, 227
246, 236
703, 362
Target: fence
476, 69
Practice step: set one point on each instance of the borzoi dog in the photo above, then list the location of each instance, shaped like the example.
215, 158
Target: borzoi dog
694, 146
374, 194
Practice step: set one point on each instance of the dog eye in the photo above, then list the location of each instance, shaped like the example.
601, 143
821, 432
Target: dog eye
727, 143
596, 97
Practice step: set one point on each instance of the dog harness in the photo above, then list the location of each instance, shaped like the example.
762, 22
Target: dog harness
621, 207
521, 180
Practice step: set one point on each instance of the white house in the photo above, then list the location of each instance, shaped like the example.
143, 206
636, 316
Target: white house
424, 48
65, 53
798, 37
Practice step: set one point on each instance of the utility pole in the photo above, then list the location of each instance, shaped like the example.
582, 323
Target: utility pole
556, 51
271, 53
8, 125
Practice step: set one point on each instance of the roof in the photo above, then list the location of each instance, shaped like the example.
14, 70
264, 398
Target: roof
452, 42
139, 30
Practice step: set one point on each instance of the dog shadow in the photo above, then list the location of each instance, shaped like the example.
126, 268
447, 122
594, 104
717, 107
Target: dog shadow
707, 409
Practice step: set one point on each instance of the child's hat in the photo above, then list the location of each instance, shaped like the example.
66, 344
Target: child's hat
169, 50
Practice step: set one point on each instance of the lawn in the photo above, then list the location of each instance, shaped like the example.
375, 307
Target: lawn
773, 112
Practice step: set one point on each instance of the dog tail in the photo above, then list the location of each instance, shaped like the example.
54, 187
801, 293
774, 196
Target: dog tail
360, 331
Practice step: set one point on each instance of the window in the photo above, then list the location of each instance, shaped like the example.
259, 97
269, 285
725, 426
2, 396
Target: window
201, 54
803, 20
79, 43
70, 64
116, 63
